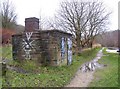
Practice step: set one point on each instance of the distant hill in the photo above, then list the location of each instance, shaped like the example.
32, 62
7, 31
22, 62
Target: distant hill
108, 39
19, 29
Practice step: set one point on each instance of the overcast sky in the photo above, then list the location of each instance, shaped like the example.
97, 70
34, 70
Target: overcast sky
47, 9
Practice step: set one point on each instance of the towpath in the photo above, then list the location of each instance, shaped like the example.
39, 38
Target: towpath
82, 79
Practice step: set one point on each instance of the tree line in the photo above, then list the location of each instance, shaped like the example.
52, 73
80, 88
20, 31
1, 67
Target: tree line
109, 39
84, 20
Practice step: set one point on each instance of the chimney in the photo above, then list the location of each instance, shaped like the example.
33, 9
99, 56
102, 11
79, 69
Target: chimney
31, 24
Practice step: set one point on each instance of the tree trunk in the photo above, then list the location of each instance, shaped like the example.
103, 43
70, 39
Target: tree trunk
78, 47
91, 44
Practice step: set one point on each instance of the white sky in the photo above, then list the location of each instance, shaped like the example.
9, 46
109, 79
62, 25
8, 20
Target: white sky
47, 8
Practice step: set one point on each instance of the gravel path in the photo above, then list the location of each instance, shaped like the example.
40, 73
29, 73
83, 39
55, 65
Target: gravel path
82, 79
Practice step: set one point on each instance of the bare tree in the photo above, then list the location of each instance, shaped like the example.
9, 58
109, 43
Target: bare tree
97, 24
44, 23
99, 21
8, 15
83, 19
70, 16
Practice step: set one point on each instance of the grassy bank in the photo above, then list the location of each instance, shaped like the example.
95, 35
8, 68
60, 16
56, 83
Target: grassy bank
6, 52
45, 76
108, 76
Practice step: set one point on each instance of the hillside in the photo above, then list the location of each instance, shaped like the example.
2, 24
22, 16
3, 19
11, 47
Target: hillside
19, 29
108, 39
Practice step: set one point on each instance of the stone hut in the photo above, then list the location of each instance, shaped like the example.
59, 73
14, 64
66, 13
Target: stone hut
48, 47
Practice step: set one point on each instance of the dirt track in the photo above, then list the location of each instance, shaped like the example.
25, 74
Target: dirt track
82, 79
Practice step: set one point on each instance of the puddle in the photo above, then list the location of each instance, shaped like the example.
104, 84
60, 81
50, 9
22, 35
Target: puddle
92, 65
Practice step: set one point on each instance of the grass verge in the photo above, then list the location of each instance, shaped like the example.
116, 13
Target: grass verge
46, 76
108, 76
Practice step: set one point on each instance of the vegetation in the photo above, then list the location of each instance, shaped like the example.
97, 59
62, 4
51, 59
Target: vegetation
44, 76
108, 39
8, 15
8, 21
85, 20
6, 52
108, 76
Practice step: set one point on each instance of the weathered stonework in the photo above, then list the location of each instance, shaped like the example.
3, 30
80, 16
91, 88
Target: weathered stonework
47, 47
31, 24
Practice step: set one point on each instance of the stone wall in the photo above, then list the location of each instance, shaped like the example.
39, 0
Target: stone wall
49, 47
